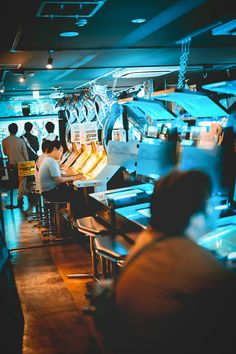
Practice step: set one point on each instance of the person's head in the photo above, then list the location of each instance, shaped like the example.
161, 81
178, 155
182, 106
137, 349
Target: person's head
13, 128
45, 145
55, 149
50, 127
28, 127
180, 204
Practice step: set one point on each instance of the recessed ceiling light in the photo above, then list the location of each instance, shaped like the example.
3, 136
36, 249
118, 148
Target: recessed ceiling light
139, 20
69, 34
81, 22
22, 79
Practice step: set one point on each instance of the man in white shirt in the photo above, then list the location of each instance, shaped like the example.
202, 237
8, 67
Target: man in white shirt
39, 160
16, 151
50, 127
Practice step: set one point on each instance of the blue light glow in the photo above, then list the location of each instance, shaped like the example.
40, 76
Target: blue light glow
138, 20
69, 34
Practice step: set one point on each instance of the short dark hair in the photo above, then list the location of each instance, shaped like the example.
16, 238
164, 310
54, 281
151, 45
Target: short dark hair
177, 197
50, 127
28, 126
45, 145
54, 144
13, 128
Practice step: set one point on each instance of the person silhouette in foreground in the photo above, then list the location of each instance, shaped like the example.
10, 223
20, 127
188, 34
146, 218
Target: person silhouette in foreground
172, 295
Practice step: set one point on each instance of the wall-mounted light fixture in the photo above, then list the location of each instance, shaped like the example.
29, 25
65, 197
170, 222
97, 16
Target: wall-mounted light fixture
50, 60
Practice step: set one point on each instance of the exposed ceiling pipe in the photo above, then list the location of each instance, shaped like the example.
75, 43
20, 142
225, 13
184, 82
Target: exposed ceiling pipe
16, 39
93, 81
198, 32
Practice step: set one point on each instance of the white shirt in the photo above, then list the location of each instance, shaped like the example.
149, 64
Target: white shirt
38, 163
51, 137
49, 169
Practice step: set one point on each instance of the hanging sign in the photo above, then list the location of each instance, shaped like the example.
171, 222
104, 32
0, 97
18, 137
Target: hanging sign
84, 133
75, 133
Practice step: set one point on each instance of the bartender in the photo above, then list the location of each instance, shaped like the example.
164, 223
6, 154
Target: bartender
53, 186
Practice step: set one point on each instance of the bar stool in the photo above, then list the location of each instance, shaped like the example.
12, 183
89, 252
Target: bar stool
37, 216
111, 252
39, 205
52, 218
93, 229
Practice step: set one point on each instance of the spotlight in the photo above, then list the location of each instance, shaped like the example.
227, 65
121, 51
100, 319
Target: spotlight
2, 88
49, 62
22, 79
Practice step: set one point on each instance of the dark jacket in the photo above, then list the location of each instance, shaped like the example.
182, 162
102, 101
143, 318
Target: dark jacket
32, 145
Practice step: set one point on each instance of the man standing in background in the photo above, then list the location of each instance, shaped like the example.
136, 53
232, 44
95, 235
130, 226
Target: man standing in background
50, 127
15, 149
31, 141
32, 145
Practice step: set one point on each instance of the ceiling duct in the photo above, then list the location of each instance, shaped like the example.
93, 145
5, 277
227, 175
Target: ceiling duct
68, 9
227, 29
144, 71
9, 66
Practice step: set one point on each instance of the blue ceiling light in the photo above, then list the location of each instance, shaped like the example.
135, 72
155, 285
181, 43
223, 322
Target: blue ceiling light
69, 34
139, 20
81, 22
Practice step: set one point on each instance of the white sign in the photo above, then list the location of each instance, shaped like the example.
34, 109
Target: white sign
84, 132
75, 132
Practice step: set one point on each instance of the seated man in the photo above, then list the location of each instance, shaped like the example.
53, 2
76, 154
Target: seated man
175, 296
52, 184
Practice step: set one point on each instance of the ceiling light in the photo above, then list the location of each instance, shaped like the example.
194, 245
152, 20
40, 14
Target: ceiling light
69, 34
138, 20
50, 61
2, 89
81, 22
22, 79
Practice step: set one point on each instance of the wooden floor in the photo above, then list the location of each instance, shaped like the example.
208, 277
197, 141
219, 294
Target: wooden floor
51, 303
